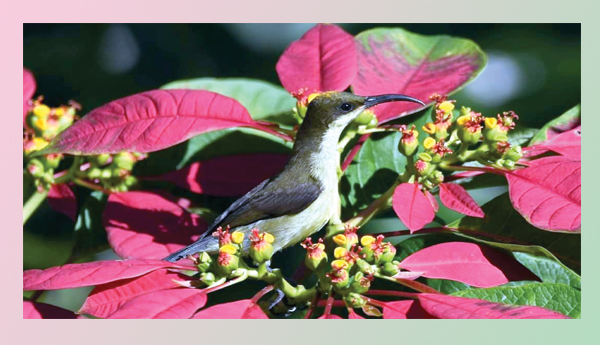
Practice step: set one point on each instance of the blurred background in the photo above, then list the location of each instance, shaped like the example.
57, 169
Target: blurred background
533, 69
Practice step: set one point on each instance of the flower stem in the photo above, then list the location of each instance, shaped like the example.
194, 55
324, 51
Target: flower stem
392, 293
33, 203
409, 283
89, 185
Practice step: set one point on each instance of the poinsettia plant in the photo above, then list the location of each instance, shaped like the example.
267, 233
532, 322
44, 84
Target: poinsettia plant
162, 164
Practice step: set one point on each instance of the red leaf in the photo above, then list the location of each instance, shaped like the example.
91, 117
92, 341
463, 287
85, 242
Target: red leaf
456, 198
178, 303
150, 121
29, 86
567, 144
144, 225
433, 201
397, 61
62, 199
408, 309
36, 310
330, 317
324, 59
232, 310
91, 273
107, 298
412, 207
548, 193
469, 263
228, 175
451, 307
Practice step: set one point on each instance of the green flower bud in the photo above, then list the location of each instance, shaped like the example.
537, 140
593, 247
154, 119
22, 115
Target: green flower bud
514, 153
106, 174
425, 157
124, 160
354, 300
508, 164
227, 261
389, 269
207, 278
94, 173
35, 168
466, 136
204, 262
360, 284
437, 177
261, 248
316, 257
101, 159
367, 118
52, 161
364, 266
408, 143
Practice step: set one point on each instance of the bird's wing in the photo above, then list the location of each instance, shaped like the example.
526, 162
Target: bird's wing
265, 201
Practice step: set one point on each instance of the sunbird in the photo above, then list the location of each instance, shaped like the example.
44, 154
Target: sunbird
303, 197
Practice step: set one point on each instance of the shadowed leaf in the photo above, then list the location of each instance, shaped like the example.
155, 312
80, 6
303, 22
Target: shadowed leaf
229, 175
144, 225
36, 310
62, 199
565, 122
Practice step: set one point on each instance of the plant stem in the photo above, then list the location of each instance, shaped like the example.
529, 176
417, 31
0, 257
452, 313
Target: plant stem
409, 283
89, 185
33, 203
392, 293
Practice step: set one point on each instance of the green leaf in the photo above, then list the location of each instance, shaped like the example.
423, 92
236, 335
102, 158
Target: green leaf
548, 270
90, 236
558, 297
210, 145
264, 101
503, 225
521, 135
566, 121
376, 167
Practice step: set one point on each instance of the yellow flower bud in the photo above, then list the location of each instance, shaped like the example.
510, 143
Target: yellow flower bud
491, 122
366, 240
39, 143
41, 110
339, 252
340, 240
228, 248
237, 237
446, 106
463, 119
59, 111
428, 143
429, 127
339, 264
269, 238
41, 123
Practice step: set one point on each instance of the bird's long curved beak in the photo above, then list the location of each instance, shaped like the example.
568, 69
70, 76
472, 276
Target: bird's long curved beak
374, 100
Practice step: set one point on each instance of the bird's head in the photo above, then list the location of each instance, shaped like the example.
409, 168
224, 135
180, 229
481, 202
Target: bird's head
329, 110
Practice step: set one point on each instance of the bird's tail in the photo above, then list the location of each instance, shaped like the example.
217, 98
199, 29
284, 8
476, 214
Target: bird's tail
201, 245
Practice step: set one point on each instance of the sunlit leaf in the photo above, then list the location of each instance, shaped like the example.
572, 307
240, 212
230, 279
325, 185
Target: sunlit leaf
393, 60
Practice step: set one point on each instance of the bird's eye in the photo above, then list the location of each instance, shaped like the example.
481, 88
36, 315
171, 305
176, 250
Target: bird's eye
346, 107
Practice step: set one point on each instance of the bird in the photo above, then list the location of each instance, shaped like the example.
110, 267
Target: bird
303, 197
